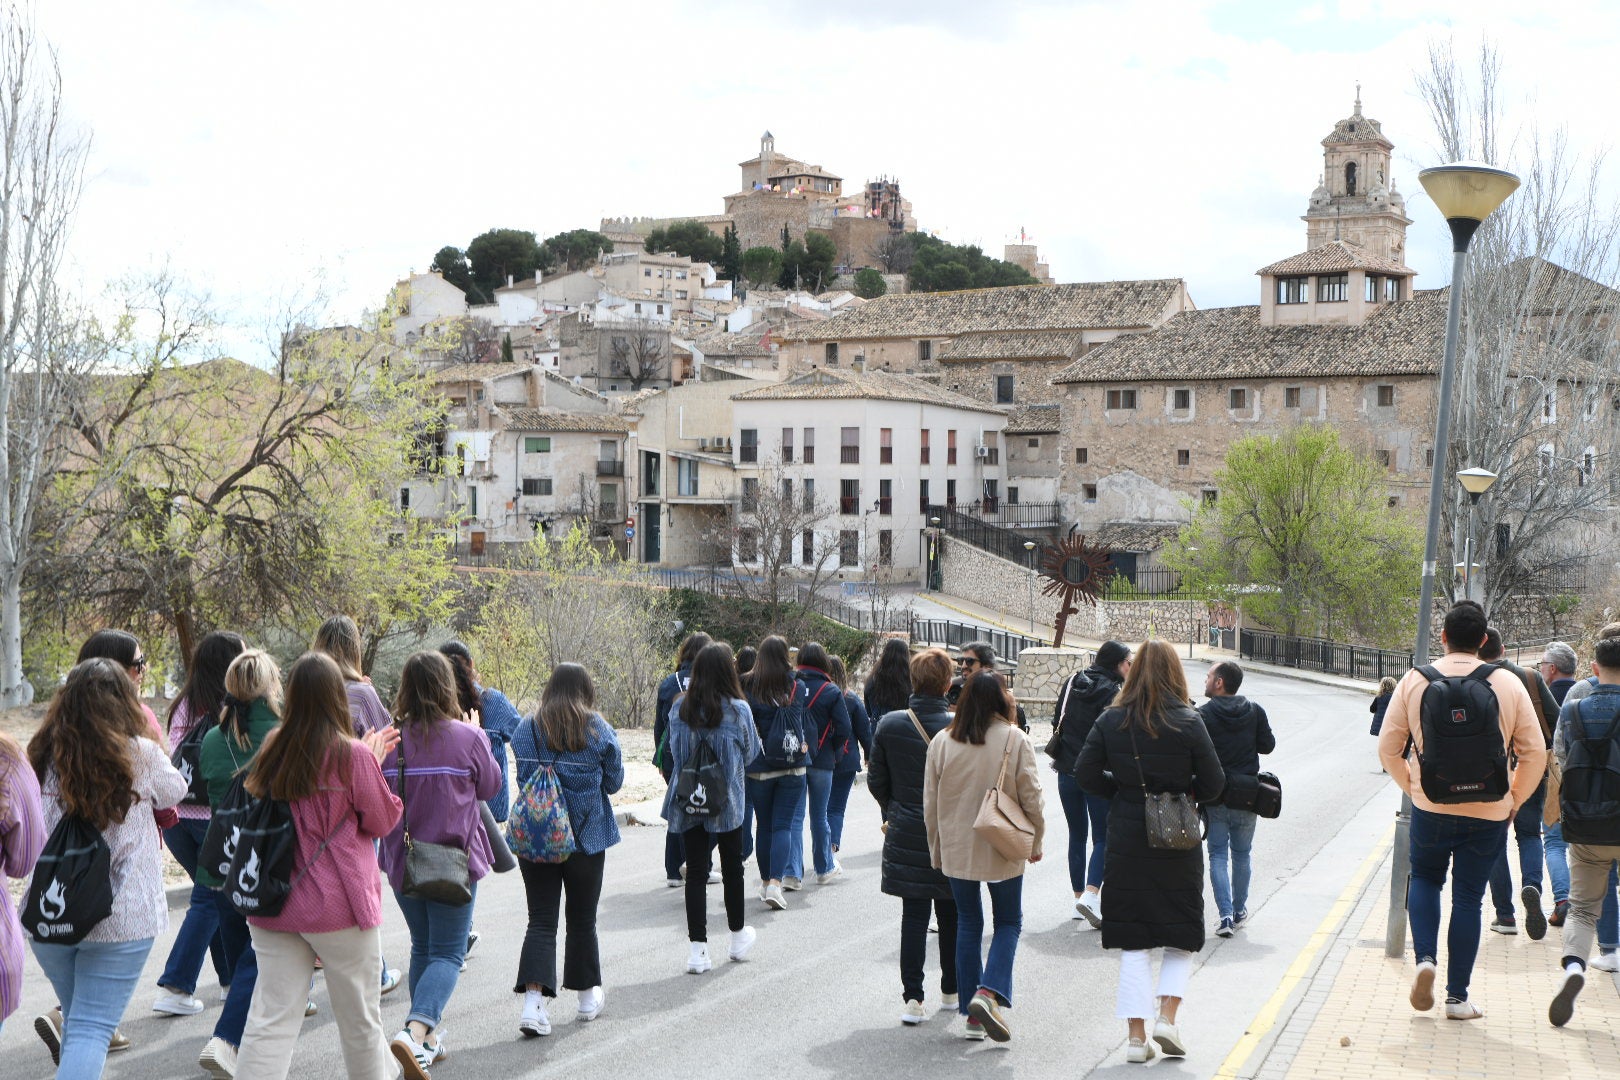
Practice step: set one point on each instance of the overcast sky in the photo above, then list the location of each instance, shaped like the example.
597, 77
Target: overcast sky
261, 147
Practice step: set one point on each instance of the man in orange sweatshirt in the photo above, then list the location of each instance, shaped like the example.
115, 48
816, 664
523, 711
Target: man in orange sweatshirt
1464, 791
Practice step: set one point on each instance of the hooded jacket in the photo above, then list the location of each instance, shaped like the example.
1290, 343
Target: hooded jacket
1082, 699
1240, 731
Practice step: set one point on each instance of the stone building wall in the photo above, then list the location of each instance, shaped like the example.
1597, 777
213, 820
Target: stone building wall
1032, 379
1040, 676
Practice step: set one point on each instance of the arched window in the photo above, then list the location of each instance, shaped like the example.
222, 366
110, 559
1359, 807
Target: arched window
1350, 178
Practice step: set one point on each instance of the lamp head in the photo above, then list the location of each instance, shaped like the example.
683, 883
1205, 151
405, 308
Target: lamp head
1466, 192
1476, 481
1029, 545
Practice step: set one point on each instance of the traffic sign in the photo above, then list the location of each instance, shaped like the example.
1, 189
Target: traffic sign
629, 534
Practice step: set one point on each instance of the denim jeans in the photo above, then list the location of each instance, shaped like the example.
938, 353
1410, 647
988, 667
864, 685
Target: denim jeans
233, 931
199, 930
1468, 847
1527, 832
94, 981
820, 784
778, 807
1079, 809
438, 946
914, 945
837, 804
994, 971
1230, 830
1557, 861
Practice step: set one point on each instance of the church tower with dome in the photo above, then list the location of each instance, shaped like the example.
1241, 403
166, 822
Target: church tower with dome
1356, 200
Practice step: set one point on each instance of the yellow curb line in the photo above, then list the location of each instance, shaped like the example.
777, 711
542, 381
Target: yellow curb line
1266, 1018
975, 616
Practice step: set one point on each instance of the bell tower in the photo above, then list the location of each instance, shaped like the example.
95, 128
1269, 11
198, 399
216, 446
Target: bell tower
1355, 200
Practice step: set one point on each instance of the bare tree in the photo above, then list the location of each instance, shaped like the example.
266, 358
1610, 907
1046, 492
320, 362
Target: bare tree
638, 350
1537, 399
44, 350
895, 252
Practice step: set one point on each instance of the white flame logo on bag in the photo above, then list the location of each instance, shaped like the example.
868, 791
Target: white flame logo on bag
53, 905
699, 797
248, 879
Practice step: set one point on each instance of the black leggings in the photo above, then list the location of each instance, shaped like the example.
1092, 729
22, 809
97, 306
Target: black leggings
544, 884
699, 843
914, 945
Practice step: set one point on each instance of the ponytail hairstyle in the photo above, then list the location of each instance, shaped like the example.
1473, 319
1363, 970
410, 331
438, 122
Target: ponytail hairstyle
339, 638
252, 676
461, 665
204, 691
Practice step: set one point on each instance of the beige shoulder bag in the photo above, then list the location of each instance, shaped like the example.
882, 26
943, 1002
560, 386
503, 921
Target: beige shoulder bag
1001, 821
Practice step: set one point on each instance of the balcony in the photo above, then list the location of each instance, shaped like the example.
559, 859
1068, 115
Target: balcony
849, 455
885, 506
924, 459
849, 504
809, 455
609, 468
950, 456
885, 455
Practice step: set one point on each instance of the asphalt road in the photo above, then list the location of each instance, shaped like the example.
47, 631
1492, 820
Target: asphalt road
820, 993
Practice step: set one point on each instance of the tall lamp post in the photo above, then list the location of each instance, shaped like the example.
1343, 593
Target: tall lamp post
1466, 192
1029, 548
1476, 482
1192, 612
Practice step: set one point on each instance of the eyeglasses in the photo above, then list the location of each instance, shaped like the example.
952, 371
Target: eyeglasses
966, 661
138, 664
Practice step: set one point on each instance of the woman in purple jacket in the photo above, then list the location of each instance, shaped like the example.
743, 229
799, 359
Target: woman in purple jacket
448, 770
22, 835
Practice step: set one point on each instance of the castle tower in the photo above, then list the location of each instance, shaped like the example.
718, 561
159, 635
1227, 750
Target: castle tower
756, 171
1356, 200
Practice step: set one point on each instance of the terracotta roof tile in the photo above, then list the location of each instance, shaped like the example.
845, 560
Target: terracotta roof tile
1029, 346
1335, 257
824, 384
521, 419
479, 372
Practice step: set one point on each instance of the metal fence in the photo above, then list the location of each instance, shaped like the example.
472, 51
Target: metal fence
953, 635
1007, 543
1129, 583
1329, 657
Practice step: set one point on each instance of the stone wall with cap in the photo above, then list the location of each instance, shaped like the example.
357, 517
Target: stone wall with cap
1041, 672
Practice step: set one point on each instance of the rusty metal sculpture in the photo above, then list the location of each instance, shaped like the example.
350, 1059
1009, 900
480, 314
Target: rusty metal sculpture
1073, 571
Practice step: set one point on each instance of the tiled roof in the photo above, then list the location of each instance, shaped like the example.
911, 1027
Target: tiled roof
1034, 420
1137, 536
733, 345
631, 403
1078, 306
1060, 346
1229, 343
520, 419
824, 384
1335, 257
479, 372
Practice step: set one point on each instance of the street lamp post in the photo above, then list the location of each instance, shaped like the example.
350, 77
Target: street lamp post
1466, 192
1192, 612
1029, 547
1476, 482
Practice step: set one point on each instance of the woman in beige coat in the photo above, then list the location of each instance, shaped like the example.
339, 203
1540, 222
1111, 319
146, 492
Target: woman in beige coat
983, 739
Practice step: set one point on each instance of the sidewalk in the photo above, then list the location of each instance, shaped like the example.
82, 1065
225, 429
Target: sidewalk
1353, 1021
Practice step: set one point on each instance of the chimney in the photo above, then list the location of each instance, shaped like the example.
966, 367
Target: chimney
508, 281
537, 275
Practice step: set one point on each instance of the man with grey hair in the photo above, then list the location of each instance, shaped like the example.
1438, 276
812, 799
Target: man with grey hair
1558, 668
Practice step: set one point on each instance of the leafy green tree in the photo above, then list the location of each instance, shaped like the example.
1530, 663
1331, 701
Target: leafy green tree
820, 256
690, 238
869, 284
451, 263
573, 250
1302, 537
936, 266
793, 259
730, 255
499, 254
761, 265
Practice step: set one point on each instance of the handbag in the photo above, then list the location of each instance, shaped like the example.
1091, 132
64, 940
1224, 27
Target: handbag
1172, 818
1053, 744
436, 873
539, 828
1268, 796
1001, 821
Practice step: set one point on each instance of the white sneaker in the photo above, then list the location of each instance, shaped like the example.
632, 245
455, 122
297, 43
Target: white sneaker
697, 960
675, 882
714, 877
224, 994
591, 1002
1138, 1052
774, 898
830, 876
436, 1049
1168, 1036
310, 1008
413, 1057
1422, 995
1607, 961
792, 884
949, 1001
534, 1022
741, 941
1090, 908
174, 1003
914, 1013
218, 1059
390, 981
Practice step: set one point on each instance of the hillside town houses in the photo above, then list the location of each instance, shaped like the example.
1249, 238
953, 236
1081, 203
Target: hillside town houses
686, 423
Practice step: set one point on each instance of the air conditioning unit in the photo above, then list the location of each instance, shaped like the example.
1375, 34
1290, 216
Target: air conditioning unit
703, 443
981, 452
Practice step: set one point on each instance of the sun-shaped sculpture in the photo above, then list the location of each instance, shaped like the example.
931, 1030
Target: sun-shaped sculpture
1074, 571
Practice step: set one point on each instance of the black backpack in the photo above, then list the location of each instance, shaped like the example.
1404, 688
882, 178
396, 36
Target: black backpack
225, 830
258, 876
785, 741
187, 760
700, 787
71, 890
1590, 797
1463, 758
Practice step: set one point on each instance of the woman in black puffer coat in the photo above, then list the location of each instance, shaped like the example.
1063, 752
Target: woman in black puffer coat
895, 779
1152, 740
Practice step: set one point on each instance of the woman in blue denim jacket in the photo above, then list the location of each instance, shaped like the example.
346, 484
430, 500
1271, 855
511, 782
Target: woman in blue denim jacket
713, 711
568, 734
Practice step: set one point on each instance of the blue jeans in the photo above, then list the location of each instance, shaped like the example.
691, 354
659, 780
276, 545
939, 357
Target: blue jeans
438, 946
1468, 847
1527, 833
1234, 830
778, 806
837, 803
94, 981
994, 971
199, 930
1078, 809
233, 931
821, 785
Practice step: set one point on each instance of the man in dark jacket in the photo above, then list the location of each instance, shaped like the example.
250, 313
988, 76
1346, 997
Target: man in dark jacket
1241, 733
1527, 822
1082, 698
977, 656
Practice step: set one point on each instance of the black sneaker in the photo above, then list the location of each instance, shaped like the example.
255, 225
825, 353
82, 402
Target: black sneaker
1535, 922
1504, 926
1563, 1003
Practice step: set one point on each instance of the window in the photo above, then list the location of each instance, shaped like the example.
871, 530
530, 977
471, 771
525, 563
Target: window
537, 444
1428, 458
925, 350
923, 457
849, 445
686, 477
832, 352
537, 485
809, 446
1237, 398
886, 446
404, 498
1392, 289
747, 545
1089, 492
1549, 407
680, 294
472, 500
1121, 399
1290, 397
650, 468
787, 446
1210, 495
849, 496
989, 496
1589, 408
750, 493
950, 493
885, 496
607, 498
1012, 496
1350, 178
849, 548
646, 272
1293, 290
660, 309
809, 494
1386, 395
885, 547
1183, 458
1034, 444
1081, 455
1588, 465
787, 494
992, 453
748, 450
1386, 459
1004, 389
638, 309
1181, 399
807, 547
1372, 291
950, 446
1332, 288
922, 495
